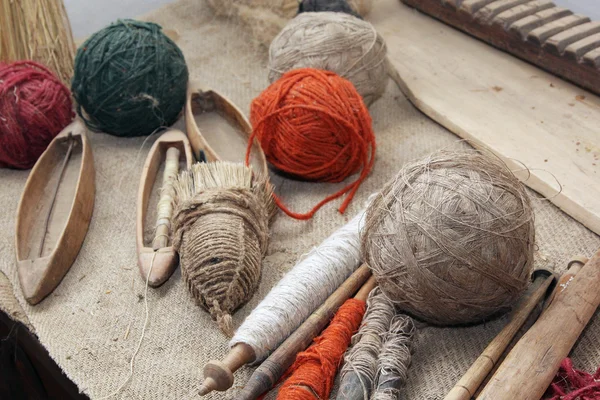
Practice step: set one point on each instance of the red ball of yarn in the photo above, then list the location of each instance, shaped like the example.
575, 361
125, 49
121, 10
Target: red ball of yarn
313, 125
34, 107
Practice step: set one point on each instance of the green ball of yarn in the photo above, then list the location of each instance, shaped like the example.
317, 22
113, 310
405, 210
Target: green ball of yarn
129, 79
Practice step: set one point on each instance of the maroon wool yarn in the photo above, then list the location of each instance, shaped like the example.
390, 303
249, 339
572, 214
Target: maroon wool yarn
34, 107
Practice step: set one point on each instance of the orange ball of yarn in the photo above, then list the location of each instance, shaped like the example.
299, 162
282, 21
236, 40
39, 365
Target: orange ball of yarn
313, 125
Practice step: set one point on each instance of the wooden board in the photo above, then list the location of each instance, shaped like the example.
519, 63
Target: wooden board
538, 31
521, 113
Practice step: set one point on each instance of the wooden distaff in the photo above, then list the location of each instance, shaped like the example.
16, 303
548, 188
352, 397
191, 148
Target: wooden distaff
532, 364
273, 368
472, 379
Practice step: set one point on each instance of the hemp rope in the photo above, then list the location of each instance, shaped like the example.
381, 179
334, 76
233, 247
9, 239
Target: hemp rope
394, 358
302, 290
221, 231
165, 203
361, 360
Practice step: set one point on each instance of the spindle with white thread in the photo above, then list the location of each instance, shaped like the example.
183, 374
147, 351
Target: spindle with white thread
299, 293
165, 204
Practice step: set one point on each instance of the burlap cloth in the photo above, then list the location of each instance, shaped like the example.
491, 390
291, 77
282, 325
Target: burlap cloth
84, 322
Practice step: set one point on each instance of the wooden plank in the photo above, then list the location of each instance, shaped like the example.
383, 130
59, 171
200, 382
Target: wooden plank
472, 6
593, 58
539, 35
558, 43
507, 17
452, 3
529, 23
501, 103
578, 49
487, 13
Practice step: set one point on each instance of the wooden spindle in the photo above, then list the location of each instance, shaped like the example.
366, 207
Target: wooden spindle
269, 372
532, 364
476, 374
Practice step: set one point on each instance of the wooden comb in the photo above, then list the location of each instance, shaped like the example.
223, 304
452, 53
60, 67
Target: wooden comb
537, 31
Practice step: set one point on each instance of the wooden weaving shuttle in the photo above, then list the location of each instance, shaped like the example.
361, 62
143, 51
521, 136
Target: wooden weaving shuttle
162, 258
218, 130
54, 212
537, 31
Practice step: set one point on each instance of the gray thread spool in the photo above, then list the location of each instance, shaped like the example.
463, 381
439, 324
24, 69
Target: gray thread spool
360, 361
395, 358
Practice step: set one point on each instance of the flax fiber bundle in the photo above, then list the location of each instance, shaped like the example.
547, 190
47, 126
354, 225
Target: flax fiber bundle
37, 30
450, 238
336, 42
221, 231
265, 18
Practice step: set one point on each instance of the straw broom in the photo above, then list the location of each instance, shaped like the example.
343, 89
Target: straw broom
37, 30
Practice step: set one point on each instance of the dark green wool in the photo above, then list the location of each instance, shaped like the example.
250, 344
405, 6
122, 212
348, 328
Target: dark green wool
130, 79
326, 5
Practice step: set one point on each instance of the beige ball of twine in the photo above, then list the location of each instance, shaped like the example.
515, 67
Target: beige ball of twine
332, 41
450, 239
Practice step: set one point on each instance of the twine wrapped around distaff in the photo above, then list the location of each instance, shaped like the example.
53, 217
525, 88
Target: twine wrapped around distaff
221, 231
335, 42
450, 239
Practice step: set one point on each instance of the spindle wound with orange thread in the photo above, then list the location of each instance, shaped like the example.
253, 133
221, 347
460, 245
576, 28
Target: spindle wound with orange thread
314, 126
312, 374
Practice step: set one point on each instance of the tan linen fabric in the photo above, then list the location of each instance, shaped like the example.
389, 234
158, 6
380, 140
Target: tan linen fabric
92, 322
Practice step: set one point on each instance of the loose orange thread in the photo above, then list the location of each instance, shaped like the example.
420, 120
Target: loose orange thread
313, 125
312, 374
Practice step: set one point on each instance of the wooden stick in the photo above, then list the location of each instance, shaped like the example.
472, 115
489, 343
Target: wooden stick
532, 364
565, 280
472, 379
269, 372
574, 267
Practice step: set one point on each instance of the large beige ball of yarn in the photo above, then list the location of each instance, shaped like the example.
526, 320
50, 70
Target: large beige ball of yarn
450, 239
266, 18
332, 41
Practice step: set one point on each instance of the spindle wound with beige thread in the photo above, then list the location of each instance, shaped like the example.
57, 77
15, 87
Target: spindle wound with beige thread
221, 231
